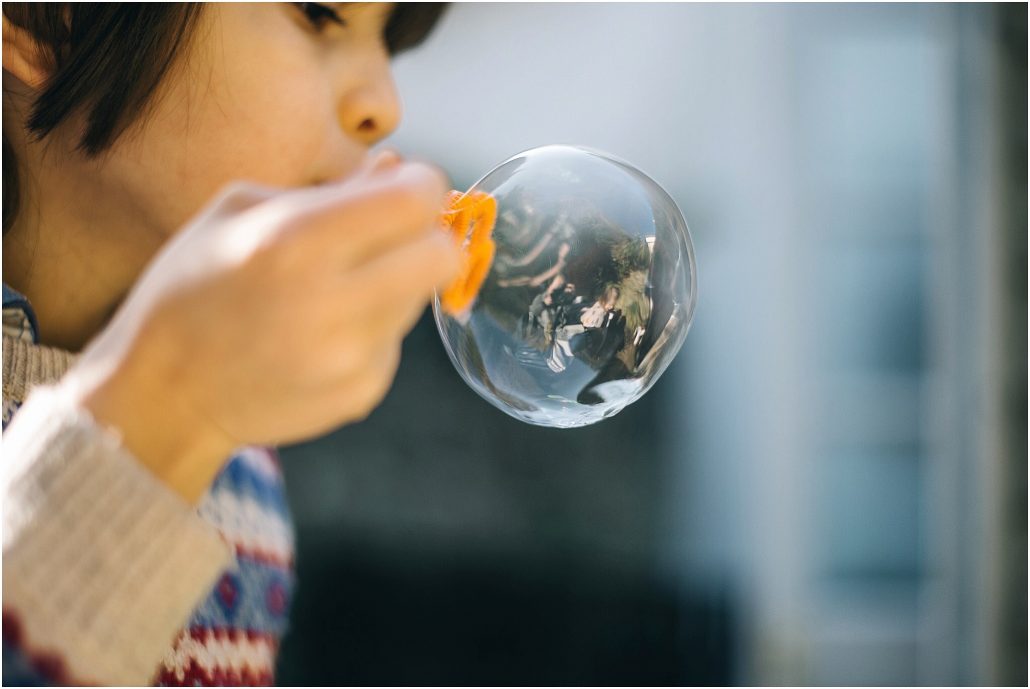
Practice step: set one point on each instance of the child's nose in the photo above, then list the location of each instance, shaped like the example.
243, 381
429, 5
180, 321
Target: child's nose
372, 110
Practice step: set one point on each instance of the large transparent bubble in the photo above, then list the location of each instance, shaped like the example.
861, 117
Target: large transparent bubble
585, 288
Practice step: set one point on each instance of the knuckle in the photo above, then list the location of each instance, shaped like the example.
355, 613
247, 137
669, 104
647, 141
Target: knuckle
277, 258
238, 195
413, 204
363, 391
433, 178
356, 354
362, 398
236, 187
422, 190
378, 384
238, 191
445, 255
348, 360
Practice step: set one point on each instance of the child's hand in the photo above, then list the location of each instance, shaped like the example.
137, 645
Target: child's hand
273, 317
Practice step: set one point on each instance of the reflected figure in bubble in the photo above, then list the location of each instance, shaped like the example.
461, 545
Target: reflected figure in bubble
605, 331
538, 326
593, 334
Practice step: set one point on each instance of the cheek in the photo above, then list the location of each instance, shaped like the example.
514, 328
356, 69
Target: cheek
269, 130
268, 135
260, 117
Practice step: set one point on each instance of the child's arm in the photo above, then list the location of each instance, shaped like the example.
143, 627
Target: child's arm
102, 563
274, 317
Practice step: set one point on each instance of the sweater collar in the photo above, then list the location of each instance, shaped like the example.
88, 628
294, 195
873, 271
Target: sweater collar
19, 317
26, 362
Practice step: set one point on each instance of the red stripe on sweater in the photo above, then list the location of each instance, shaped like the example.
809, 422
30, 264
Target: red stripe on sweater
235, 634
193, 675
273, 454
48, 664
265, 557
193, 672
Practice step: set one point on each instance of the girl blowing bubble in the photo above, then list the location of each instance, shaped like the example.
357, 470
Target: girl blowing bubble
200, 259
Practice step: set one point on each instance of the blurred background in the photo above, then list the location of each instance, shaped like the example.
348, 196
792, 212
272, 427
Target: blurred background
829, 485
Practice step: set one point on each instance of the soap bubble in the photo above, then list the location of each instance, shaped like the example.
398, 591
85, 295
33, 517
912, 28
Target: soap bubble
586, 288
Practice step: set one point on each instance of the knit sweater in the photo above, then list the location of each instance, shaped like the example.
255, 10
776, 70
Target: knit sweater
109, 577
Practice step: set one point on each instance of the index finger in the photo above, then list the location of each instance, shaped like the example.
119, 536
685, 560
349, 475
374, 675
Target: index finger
359, 219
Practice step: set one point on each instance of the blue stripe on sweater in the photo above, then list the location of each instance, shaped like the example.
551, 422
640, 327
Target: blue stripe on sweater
252, 596
239, 478
18, 671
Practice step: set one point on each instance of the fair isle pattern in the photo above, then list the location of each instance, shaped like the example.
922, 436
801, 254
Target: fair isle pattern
16, 325
220, 656
233, 635
16, 320
247, 505
10, 406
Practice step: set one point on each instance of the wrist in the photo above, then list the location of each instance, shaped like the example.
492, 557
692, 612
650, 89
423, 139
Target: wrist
170, 439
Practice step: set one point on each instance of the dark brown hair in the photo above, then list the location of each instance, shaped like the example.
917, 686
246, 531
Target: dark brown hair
108, 59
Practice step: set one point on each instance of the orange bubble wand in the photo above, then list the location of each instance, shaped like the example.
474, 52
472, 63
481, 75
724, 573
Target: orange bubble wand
469, 219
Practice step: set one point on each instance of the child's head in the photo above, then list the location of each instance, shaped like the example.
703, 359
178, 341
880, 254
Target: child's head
143, 111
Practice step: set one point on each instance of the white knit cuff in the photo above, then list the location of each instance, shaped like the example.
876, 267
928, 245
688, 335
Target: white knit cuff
102, 563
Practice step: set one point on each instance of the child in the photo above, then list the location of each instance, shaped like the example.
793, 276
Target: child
149, 350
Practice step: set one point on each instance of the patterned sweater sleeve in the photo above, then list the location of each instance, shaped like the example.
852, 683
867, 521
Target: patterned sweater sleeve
102, 564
